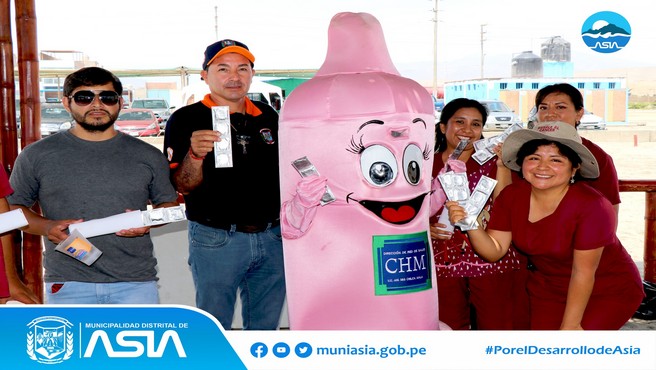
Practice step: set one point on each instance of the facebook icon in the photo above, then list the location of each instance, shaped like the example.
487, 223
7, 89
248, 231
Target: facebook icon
259, 350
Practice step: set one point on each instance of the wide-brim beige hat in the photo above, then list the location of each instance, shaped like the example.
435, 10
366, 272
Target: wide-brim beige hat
555, 131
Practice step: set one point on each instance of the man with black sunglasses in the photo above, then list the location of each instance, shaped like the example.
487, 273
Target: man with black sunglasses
233, 212
88, 172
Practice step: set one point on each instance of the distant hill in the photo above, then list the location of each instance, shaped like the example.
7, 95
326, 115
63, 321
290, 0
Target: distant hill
609, 28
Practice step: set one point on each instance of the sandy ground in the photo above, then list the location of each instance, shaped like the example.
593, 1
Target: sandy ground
633, 149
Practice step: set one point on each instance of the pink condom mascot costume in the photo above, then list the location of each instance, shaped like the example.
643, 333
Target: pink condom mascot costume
362, 261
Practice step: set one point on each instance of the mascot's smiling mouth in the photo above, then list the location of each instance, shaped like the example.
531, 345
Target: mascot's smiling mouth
397, 213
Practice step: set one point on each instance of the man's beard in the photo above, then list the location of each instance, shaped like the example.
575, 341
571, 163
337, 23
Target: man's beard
90, 127
95, 128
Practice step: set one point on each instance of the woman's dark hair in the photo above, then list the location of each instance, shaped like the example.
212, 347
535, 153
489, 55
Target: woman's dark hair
448, 111
561, 88
90, 76
530, 147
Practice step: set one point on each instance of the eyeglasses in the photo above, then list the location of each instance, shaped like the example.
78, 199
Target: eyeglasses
85, 97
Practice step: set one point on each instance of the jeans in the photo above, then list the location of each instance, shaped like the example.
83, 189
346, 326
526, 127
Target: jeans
75, 292
223, 261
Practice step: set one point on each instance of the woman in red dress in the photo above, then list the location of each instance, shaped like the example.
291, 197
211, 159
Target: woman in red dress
472, 293
564, 102
583, 276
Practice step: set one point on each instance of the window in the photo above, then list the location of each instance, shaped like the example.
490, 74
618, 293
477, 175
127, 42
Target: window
535, 86
503, 86
611, 85
596, 85
581, 85
519, 85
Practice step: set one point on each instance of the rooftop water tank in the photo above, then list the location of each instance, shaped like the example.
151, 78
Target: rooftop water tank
526, 64
556, 49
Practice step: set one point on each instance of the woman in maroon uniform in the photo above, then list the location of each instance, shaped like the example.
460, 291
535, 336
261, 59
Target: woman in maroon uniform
583, 276
469, 287
564, 102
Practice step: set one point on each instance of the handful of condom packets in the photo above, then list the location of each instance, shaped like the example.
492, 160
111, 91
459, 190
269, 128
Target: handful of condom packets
456, 188
475, 203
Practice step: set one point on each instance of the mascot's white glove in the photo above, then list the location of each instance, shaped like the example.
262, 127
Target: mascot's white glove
297, 214
438, 197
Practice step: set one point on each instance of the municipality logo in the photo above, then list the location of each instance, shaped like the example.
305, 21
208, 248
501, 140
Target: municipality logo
606, 32
49, 340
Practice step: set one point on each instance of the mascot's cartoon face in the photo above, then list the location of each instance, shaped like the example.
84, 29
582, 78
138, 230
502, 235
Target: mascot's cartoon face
394, 161
367, 129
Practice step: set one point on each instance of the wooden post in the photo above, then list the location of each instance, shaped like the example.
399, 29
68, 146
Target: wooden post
650, 235
30, 108
8, 129
649, 256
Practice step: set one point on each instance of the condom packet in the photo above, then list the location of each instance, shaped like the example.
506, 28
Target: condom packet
456, 153
305, 168
482, 156
455, 185
165, 215
78, 247
476, 202
480, 145
484, 148
223, 148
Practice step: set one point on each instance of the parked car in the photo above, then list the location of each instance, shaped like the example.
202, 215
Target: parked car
589, 121
138, 122
54, 118
438, 104
499, 115
159, 106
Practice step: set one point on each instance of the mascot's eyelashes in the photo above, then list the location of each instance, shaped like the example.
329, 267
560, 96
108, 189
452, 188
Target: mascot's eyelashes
427, 152
356, 147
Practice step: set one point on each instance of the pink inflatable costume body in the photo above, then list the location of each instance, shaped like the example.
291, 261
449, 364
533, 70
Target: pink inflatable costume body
364, 260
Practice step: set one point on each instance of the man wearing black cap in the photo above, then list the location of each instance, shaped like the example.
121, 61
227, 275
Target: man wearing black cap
233, 212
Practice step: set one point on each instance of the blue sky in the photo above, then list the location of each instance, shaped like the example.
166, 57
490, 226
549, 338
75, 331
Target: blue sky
292, 34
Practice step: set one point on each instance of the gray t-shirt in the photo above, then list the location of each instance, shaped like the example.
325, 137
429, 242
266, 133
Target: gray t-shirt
71, 178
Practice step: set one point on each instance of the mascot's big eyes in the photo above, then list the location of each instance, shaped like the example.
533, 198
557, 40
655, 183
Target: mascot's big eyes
378, 165
381, 173
413, 158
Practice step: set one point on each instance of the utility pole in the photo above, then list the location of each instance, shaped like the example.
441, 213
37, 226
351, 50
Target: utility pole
435, 49
483, 32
